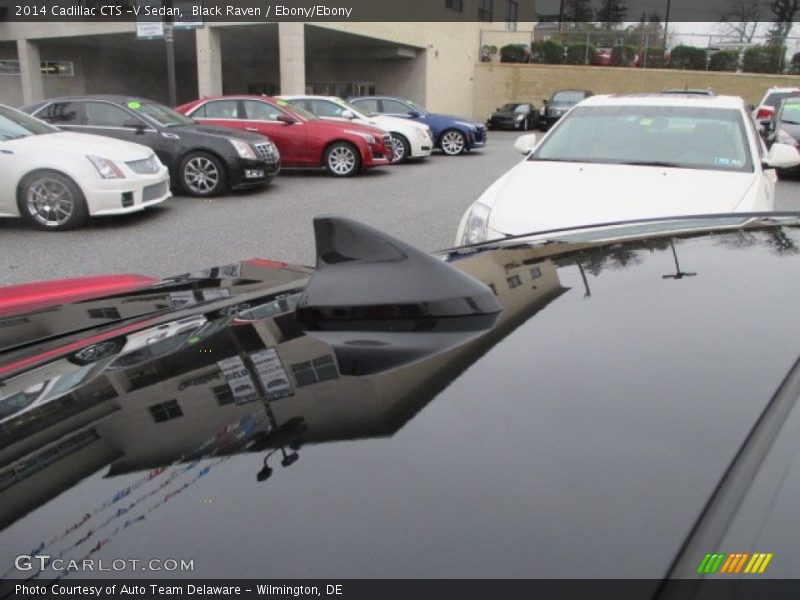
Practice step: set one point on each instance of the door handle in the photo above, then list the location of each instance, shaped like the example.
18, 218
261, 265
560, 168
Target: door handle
252, 129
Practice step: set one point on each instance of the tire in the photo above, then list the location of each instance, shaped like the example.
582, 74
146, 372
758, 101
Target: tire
401, 149
342, 159
96, 352
202, 175
453, 142
51, 201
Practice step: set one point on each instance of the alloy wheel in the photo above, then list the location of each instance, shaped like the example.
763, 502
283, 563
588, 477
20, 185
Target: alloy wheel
50, 202
201, 175
398, 150
453, 142
342, 160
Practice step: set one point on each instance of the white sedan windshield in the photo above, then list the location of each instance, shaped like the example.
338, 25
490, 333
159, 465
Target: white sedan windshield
15, 124
669, 136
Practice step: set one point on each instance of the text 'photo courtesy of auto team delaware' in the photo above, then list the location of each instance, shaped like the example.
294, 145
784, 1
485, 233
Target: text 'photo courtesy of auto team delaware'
464, 299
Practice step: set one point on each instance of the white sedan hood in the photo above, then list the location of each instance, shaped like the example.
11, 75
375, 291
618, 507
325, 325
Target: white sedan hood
540, 195
83, 144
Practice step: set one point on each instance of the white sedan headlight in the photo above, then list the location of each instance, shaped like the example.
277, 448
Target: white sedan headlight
476, 228
107, 169
243, 149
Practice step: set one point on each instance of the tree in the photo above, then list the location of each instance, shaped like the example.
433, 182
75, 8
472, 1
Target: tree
739, 20
577, 11
611, 13
783, 12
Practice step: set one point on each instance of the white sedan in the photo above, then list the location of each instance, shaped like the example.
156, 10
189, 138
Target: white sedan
620, 158
56, 179
409, 139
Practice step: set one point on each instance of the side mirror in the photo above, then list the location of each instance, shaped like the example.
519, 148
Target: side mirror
782, 156
286, 119
525, 143
138, 126
348, 114
414, 114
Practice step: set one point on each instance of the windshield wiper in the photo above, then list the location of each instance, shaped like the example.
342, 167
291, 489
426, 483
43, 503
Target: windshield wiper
652, 163
790, 122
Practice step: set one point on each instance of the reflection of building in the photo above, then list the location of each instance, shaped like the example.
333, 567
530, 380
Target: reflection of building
430, 62
253, 363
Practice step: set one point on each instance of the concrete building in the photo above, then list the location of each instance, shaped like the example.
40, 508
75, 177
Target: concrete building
432, 63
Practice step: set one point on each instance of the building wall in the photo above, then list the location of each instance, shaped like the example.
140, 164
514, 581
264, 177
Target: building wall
498, 83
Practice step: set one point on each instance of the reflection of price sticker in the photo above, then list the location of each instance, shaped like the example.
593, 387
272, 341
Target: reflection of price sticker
283, 103
646, 122
134, 105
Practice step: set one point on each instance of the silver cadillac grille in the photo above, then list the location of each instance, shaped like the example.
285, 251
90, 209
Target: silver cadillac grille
268, 152
146, 166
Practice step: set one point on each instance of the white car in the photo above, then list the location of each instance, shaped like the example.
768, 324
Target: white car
620, 158
771, 101
57, 179
409, 139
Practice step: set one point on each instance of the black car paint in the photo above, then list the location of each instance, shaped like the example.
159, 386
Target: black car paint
554, 110
592, 424
172, 144
501, 119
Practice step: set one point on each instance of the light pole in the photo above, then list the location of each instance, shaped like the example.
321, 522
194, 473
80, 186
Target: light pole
169, 40
666, 25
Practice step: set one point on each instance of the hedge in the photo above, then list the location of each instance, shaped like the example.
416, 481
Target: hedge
548, 52
762, 59
514, 53
688, 57
724, 60
621, 56
580, 54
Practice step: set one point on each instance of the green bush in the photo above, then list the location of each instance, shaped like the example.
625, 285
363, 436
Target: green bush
621, 56
547, 52
513, 53
724, 60
580, 54
688, 57
652, 58
762, 59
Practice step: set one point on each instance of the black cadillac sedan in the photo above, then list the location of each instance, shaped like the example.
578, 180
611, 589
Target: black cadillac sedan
606, 402
202, 160
514, 115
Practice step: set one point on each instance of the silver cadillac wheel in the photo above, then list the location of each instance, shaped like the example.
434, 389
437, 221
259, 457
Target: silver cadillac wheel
400, 148
50, 202
201, 175
453, 142
341, 160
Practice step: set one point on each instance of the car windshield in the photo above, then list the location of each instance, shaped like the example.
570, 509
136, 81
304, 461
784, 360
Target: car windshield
567, 96
518, 108
686, 137
15, 124
790, 113
345, 104
164, 116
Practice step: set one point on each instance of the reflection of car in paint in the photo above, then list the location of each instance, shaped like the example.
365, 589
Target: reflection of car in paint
162, 339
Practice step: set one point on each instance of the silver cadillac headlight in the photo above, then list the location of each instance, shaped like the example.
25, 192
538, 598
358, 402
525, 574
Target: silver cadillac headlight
476, 228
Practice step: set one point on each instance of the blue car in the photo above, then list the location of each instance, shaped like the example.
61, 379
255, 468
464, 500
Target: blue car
453, 135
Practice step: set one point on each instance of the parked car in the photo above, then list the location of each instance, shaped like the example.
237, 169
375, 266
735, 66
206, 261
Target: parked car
514, 115
784, 127
773, 97
303, 140
558, 105
501, 412
203, 161
603, 58
617, 158
58, 179
410, 140
453, 135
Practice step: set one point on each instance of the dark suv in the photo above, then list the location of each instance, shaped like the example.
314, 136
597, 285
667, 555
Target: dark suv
202, 160
558, 104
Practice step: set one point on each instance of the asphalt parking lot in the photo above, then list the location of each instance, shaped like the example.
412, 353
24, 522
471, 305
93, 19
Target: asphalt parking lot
419, 202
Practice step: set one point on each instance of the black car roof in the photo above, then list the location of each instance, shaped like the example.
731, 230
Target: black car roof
593, 421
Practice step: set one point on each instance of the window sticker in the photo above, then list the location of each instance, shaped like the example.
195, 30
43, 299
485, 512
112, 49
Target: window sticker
646, 122
134, 105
